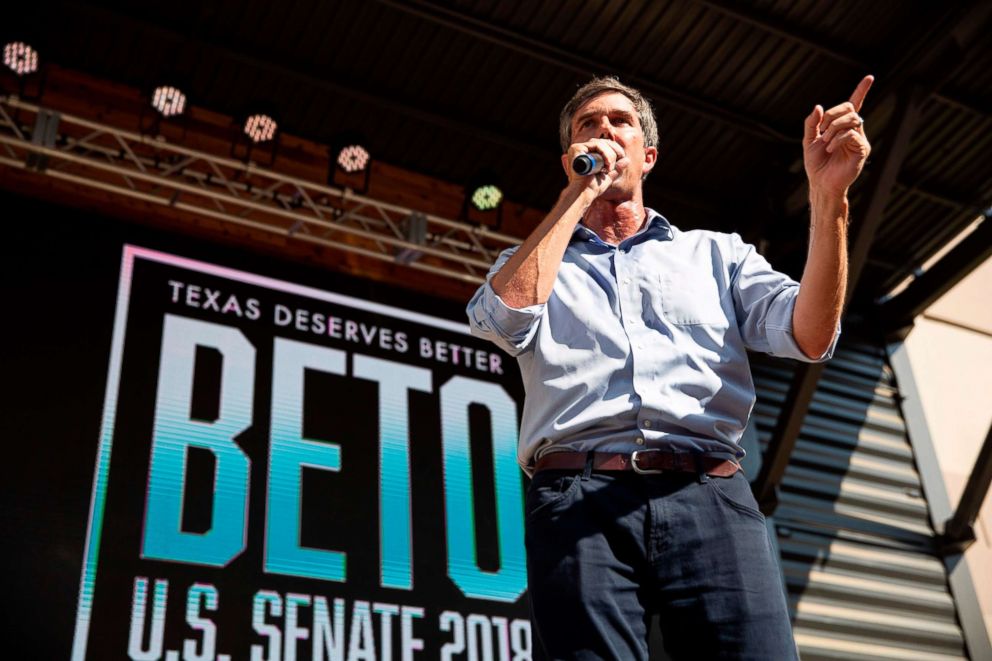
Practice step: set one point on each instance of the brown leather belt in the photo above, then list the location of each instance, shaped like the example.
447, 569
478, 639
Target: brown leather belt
641, 461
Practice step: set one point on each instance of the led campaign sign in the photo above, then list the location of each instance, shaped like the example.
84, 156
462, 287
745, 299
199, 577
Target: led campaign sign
288, 473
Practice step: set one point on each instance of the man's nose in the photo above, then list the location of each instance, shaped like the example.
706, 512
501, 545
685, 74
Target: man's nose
606, 130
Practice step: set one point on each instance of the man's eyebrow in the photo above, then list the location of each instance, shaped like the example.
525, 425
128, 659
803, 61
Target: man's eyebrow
586, 115
592, 113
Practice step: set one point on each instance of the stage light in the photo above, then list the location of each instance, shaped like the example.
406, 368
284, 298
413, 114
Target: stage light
349, 161
487, 197
169, 101
260, 128
353, 158
20, 58
483, 201
256, 135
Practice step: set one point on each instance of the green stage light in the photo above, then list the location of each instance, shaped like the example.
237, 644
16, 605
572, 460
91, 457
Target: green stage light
487, 197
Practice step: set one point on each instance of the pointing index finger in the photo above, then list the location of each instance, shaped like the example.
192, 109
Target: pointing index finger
858, 97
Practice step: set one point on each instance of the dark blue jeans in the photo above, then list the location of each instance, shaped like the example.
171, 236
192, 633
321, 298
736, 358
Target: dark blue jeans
607, 550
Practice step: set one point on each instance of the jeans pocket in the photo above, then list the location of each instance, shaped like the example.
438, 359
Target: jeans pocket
736, 492
549, 492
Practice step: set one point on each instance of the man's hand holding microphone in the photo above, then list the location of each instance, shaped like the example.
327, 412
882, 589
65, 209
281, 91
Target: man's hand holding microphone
596, 164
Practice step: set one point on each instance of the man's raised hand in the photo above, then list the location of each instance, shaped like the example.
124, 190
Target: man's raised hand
834, 143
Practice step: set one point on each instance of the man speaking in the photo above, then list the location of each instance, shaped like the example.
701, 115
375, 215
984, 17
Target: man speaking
631, 337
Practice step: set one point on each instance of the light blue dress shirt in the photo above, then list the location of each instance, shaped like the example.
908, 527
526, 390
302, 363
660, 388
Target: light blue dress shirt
643, 345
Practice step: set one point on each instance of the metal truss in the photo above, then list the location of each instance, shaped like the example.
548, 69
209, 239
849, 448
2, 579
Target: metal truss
149, 168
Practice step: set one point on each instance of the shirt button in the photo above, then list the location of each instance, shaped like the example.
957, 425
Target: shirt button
626, 281
647, 424
639, 440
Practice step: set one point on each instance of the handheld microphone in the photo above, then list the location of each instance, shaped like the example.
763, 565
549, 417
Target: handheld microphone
586, 164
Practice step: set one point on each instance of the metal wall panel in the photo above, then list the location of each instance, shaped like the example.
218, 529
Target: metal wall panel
863, 577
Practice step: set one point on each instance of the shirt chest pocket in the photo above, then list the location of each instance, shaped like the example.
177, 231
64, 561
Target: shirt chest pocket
690, 297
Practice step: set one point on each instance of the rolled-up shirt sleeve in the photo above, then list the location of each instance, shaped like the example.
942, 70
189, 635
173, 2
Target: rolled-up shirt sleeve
511, 329
764, 300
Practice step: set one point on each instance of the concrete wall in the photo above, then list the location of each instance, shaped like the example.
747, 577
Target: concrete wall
950, 351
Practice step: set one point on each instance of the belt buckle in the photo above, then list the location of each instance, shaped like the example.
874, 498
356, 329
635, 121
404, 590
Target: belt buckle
638, 469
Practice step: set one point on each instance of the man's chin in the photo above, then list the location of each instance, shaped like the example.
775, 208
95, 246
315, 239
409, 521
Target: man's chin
619, 189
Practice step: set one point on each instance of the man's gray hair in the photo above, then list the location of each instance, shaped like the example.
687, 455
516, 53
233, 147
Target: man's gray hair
606, 85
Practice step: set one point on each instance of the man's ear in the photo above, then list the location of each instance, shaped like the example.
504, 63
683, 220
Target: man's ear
650, 158
564, 163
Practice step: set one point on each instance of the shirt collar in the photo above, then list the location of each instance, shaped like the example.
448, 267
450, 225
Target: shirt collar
656, 227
